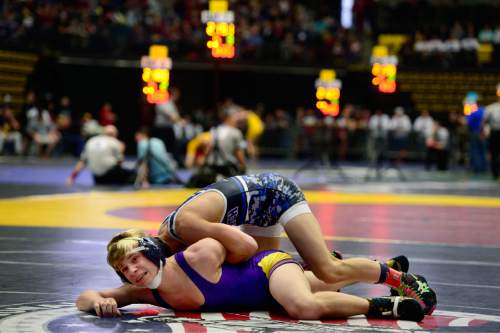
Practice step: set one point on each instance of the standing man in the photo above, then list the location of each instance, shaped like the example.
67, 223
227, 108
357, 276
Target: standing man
437, 147
166, 115
379, 126
104, 155
400, 131
423, 128
477, 154
492, 119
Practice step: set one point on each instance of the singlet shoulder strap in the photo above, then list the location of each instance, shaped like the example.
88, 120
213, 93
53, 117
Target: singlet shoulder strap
197, 279
160, 300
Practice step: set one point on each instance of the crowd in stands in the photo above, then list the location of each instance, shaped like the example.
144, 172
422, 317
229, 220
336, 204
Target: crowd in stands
444, 33
453, 46
266, 31
285, 31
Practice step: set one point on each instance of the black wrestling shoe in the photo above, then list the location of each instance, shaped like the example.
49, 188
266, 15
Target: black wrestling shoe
416, 286
399, 263
337, 254
395, 307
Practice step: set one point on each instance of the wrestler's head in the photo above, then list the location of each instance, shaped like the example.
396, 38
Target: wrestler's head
137, 258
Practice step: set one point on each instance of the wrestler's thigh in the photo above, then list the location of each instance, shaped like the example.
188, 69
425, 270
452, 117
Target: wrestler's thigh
304, 232
289, 286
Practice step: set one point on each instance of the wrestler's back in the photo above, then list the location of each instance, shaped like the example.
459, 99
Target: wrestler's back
244, 285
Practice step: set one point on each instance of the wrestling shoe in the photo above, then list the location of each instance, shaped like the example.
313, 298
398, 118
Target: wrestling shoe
399, 263
337, 254
416, 286
395, 307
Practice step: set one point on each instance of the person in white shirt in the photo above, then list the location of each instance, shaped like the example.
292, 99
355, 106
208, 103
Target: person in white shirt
42, 130
423, 127
492, 119
400, 130
437, 147
104, 154
379, 126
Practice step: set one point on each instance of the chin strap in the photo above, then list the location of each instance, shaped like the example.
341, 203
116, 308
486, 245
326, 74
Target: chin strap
155, 283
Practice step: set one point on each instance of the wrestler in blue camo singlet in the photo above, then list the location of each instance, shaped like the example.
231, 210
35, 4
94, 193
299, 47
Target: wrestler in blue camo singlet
251, 199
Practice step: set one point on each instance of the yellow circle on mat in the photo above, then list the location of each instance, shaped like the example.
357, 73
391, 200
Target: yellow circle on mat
89, 210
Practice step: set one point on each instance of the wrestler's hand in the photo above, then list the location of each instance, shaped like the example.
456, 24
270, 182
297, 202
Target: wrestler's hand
106, 307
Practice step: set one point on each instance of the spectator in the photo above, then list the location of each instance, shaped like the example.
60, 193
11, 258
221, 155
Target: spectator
185, 130
477, 154
90, 126
10, 131
458, 138
69, 129
28, 104
197, 150
492, 119
106, 115
308, 123
155, 164
437, 147
423, 128
400, 130
42, 130
226, 153
250, 123
166, 115
104, 156
345, 126
378, 126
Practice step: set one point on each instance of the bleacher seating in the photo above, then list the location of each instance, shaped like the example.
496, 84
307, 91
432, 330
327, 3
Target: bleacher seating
15, 67
444, 92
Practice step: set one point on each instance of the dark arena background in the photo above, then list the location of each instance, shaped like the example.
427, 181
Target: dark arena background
386, 113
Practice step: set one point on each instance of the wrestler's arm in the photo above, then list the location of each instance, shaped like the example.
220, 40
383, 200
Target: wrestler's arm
206, 257
105, 303
239, 245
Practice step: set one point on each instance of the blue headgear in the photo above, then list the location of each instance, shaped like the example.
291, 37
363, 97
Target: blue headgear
154, 249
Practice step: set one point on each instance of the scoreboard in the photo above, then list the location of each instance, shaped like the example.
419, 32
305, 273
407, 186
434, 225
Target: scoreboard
384, 69
220, 29
156, 74
328, 92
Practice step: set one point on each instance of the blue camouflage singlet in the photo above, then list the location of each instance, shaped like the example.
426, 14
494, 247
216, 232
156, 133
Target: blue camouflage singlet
258, 200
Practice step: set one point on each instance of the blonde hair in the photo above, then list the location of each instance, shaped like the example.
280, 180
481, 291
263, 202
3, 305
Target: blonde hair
122, 244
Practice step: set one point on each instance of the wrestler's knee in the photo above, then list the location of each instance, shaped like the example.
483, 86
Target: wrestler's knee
305, 309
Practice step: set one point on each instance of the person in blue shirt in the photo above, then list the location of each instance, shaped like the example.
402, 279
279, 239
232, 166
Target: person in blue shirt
475, 115
155, 165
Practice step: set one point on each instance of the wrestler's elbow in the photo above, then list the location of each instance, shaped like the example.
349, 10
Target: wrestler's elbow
243, 251
206, 250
